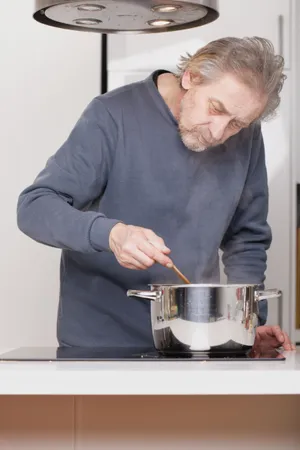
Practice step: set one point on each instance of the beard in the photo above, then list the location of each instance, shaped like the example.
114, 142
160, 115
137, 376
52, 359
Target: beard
198, 137
193, 138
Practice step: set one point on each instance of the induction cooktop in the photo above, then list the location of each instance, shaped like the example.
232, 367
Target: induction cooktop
134, 354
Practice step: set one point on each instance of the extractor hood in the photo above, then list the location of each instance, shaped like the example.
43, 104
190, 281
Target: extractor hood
126, 16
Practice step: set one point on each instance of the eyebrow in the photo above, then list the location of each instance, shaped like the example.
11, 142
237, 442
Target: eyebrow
222, 109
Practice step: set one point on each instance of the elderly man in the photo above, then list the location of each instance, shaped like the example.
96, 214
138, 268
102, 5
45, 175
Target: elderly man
171, 168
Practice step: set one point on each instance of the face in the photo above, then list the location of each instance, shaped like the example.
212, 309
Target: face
210, 114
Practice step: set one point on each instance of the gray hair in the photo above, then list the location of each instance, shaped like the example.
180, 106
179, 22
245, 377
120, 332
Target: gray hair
251, 59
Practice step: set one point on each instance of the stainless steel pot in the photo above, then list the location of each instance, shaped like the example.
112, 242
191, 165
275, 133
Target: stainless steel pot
204, 317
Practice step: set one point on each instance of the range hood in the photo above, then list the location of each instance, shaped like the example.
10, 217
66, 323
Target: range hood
126, 16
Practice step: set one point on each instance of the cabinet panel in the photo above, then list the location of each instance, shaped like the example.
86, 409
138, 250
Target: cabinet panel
36, 422
266, 18
208, 422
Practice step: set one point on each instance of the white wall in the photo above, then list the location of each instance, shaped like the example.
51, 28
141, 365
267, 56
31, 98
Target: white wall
47, 77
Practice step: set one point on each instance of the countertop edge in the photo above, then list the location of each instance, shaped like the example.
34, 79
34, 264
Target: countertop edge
131, 382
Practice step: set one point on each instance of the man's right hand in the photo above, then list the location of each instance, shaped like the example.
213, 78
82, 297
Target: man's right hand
138, 248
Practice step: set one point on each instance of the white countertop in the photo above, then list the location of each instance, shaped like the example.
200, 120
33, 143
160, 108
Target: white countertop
153, 378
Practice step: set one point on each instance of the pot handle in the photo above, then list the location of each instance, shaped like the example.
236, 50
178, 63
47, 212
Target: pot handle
150, 295
268, 293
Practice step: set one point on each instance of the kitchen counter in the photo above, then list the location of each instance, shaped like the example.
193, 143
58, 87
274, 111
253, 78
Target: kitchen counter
152, 377
92, 405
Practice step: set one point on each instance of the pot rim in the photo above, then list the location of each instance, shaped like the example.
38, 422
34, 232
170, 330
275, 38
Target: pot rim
212, 285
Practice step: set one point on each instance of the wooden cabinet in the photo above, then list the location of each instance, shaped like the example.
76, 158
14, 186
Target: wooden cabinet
266, 18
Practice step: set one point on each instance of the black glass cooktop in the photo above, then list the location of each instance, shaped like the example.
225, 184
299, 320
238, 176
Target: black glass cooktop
133, 354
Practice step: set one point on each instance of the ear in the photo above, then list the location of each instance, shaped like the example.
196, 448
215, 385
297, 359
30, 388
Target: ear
186, 81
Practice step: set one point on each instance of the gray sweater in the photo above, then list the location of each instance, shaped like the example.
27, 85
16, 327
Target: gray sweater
124, 161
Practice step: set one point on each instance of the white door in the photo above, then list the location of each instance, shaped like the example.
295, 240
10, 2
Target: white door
278, 158
276, 135
265, 18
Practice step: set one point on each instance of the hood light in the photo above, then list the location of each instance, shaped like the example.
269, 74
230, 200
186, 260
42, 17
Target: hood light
90, 8
160, 22
165, 8
87, 21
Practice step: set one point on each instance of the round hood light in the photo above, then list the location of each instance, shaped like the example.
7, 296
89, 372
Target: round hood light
126, 16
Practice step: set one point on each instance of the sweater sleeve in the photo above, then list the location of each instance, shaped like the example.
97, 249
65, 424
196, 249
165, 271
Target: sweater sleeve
53, 210
248, 237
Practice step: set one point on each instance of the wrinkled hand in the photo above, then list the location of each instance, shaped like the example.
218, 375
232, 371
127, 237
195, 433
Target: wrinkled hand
137, 247
272, 337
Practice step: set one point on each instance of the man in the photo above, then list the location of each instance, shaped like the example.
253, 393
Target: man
168, 169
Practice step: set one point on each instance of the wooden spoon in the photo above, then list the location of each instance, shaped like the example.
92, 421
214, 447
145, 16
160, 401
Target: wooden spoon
177, 271
181, 276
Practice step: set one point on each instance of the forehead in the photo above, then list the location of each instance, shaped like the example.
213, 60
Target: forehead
239, 100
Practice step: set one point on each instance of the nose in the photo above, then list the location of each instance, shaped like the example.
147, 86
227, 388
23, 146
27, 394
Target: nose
217, 128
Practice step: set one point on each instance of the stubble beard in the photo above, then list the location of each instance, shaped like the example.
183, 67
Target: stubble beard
192, 138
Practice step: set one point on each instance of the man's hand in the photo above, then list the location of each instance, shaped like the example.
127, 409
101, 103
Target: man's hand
272, 337
137, 247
